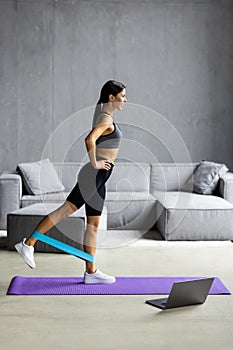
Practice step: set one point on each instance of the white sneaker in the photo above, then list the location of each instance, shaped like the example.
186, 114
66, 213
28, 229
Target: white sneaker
26, 252
98, 277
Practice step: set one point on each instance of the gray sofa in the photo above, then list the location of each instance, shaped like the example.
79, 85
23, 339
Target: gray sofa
141, 197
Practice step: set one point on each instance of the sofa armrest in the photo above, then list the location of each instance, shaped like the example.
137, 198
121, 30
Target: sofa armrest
226, 186
10, 195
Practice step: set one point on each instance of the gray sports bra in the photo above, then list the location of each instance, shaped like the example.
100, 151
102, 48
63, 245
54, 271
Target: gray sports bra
110, 141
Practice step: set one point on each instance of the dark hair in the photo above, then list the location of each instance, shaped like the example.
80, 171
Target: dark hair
111, 87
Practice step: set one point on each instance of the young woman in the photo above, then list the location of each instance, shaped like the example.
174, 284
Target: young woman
102, 145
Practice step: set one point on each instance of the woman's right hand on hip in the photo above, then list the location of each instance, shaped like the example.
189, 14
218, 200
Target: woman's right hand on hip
102, 164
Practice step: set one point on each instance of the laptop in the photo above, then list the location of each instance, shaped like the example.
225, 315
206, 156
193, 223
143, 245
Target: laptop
184, 294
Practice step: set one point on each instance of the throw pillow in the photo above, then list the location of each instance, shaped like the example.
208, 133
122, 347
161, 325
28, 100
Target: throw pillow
205, 177
40, 177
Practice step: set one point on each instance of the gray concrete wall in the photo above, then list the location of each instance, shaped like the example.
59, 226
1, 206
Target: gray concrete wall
174, 56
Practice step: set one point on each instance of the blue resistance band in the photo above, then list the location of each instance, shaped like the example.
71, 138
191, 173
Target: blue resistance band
62, 246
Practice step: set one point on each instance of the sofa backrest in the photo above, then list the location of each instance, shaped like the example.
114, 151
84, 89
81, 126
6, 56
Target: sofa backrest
134, 177
130, 177
170, 176
126, 177
67, 173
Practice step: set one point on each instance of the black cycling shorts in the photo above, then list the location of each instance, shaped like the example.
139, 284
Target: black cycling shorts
90, 189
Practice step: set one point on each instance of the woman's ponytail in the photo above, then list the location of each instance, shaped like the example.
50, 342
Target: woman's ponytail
98, 109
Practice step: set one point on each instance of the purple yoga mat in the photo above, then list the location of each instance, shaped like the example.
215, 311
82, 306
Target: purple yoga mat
123, 286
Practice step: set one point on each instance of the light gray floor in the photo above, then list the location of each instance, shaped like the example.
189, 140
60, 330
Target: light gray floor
119, 322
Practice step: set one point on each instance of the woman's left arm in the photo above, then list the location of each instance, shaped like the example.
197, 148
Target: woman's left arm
90, 142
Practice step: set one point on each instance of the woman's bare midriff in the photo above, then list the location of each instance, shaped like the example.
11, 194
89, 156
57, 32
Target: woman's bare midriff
109, 154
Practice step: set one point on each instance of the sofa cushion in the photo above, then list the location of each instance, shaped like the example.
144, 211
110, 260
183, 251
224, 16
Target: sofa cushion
58, 197
40, 177
205, 177
129, 177
190, 216
184, 200
126, 177
131, 211
170, 176
127, 197
68, 173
